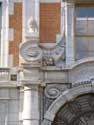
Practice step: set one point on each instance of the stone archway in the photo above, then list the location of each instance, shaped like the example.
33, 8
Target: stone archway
70, 97
77, 112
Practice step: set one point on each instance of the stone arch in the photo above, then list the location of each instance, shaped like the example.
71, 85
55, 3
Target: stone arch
66, 96
81, 62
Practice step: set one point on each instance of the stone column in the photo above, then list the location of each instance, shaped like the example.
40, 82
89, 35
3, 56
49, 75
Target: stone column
69, 33
31, 105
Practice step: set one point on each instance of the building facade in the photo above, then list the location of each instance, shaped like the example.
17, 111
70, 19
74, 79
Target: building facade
47, 62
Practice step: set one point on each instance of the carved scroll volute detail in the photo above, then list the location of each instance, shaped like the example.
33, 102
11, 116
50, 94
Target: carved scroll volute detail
30, 52
52, 92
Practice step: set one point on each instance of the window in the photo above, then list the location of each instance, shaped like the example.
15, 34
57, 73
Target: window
84, 35
85, 11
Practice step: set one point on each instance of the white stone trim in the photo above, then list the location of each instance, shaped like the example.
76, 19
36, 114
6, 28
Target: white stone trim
23, 22
16, 1
62, 18
50, 1
11, 8
34, 6
69, 33
80, 62
4, 33
37, 13
10, 60
11, 34
31, 114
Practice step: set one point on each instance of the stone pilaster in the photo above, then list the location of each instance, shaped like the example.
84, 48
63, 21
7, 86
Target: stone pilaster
31, 114
31, 57
31, 105
4, 34
30, 9
31, 82
69, 33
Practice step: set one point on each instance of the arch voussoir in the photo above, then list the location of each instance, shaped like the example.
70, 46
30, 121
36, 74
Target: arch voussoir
66, 96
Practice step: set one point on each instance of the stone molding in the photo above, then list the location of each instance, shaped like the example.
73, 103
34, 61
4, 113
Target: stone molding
66, 96
82, 71
80, 62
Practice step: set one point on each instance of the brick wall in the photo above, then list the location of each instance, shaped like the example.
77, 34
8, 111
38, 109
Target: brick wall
15, 21
49, 21
49, 26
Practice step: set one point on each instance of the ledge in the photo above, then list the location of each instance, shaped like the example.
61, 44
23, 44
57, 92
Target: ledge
66, 68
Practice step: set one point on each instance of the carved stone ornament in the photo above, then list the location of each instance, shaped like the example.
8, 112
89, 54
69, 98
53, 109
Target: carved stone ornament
52, 54
32, 25
30, 52
52, 92
77, 112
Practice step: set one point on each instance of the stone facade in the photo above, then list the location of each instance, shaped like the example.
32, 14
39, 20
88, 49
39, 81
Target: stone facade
41, 80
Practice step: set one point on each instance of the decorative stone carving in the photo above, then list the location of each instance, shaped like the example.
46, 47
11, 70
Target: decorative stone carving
32, 25
32, 30
82, 113
30, 52
53, 91
52, 54
48, 61
84, 82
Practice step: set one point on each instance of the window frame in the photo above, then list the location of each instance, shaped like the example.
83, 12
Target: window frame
86, 35
84, 5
